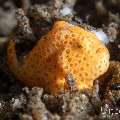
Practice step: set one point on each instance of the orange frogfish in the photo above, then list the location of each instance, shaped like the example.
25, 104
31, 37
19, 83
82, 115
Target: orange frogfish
65, 49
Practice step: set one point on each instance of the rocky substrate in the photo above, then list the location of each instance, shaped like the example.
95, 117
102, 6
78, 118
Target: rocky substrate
18, 102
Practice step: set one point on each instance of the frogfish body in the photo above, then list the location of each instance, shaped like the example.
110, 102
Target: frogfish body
65, 49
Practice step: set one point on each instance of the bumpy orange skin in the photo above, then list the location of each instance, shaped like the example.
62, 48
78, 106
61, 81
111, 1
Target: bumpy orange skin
65, 49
